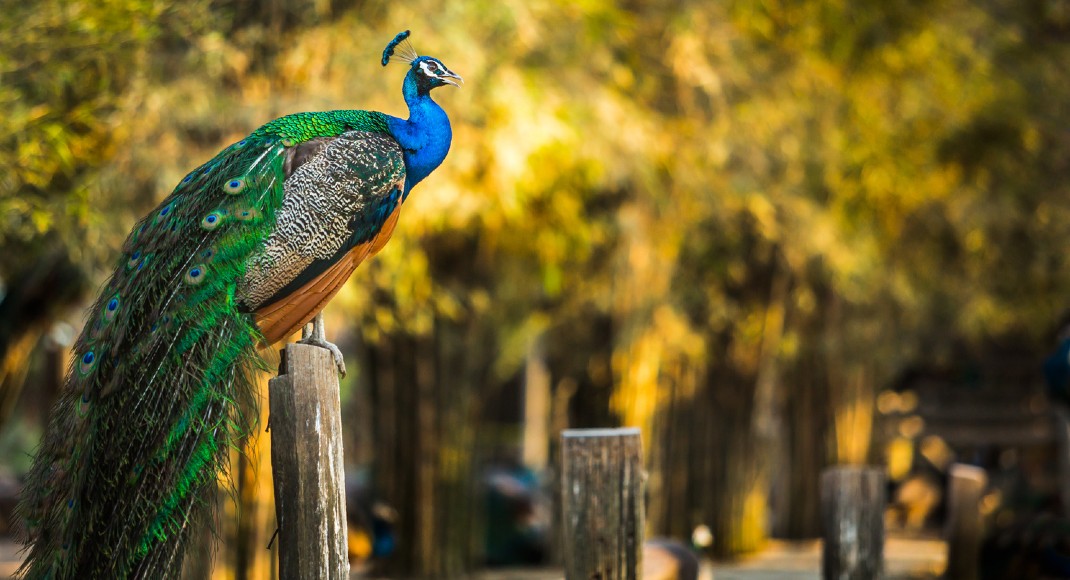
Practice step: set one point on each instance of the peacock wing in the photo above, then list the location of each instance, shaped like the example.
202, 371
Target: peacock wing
341, 202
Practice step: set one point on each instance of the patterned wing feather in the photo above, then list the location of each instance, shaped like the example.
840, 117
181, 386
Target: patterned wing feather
281, 318
340, 198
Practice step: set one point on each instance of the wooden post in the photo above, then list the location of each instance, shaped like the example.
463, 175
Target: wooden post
852, 517
536, 450
1062, 432
306, 463
964, 523
602, 503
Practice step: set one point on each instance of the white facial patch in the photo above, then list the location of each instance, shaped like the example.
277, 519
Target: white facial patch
432, 68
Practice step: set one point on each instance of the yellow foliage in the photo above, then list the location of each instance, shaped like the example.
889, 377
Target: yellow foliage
733, 185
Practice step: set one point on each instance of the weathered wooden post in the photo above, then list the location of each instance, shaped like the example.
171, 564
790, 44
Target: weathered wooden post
852, 518
306, 463
602, 503
965, 529
1062, 433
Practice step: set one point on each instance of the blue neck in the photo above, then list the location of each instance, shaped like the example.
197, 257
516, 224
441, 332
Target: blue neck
425, 136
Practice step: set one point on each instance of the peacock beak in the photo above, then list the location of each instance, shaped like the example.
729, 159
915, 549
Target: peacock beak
448, 75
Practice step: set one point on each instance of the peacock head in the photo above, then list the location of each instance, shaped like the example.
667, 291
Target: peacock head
426, 71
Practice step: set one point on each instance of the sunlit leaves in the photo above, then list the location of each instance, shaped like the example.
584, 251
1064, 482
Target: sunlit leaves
901, 156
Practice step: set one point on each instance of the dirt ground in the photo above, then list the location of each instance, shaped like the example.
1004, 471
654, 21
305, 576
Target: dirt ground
904, 559
912, 559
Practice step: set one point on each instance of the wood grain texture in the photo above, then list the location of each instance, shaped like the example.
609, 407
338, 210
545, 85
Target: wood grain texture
602, 502
965, 526
307, 466
852, 517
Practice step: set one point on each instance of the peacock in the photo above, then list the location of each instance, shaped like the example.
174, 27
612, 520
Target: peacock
247, 249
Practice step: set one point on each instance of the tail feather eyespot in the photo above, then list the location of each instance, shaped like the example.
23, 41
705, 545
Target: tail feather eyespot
111, 308
82, 408
213, 220
246, 214
196, 274
234, 186
87, 363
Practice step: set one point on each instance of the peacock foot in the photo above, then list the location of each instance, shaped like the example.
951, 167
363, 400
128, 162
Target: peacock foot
318, 338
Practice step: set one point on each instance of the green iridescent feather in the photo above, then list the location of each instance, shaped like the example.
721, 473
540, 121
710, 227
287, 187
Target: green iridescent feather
154, 398
304, 126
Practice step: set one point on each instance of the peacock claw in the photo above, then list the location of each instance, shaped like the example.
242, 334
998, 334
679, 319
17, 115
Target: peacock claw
316, 337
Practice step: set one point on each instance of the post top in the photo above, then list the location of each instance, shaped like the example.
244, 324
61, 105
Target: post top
968, 471
587, 433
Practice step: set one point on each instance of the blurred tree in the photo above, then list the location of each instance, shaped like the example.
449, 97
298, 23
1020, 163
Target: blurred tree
728, 223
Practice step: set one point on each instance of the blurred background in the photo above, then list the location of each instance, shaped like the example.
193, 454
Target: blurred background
775, 235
